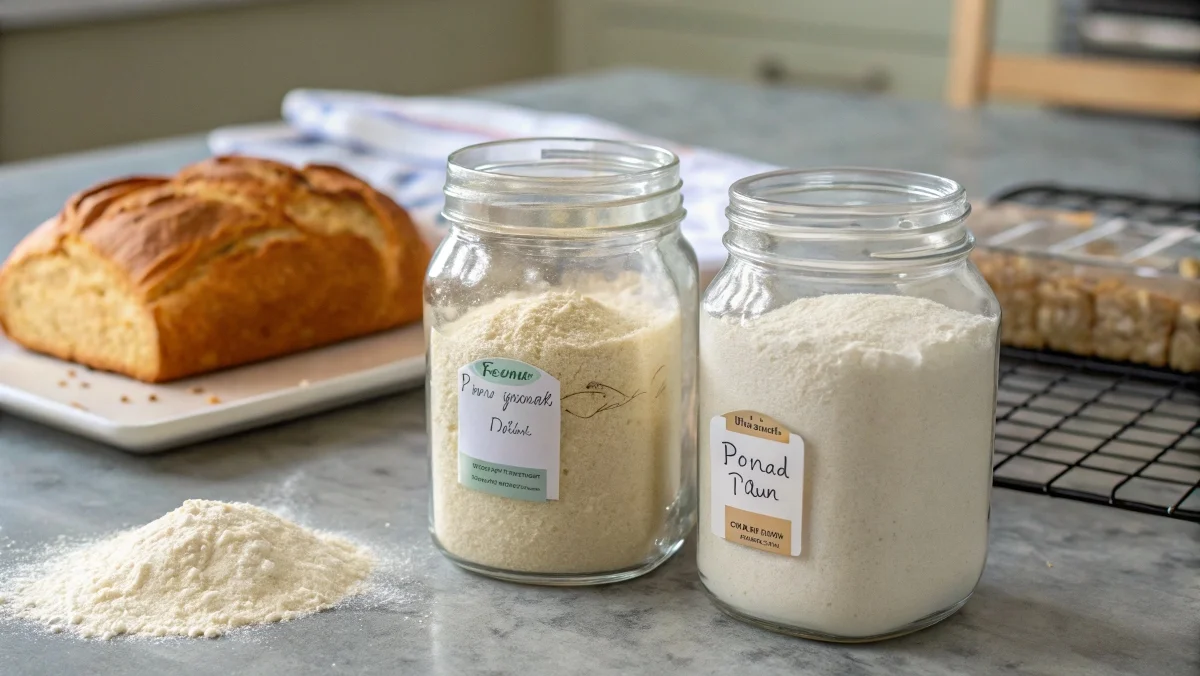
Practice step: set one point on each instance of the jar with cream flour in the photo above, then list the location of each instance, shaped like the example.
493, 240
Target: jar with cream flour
561, 314
848, 356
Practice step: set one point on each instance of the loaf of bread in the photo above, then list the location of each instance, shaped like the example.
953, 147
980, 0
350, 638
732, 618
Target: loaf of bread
231, 261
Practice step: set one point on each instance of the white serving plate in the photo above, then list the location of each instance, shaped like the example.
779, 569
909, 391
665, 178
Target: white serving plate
90, 403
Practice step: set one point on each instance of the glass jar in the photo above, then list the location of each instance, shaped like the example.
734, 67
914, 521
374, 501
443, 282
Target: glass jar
560, 319
848, 363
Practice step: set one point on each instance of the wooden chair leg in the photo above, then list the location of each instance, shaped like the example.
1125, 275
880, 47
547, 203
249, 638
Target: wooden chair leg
970, 51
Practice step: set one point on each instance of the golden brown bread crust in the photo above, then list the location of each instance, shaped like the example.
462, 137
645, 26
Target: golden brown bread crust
233, 260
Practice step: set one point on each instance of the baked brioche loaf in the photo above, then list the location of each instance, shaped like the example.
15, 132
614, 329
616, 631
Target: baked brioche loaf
232, 260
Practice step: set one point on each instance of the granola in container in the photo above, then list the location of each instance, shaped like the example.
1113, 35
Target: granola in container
1079, 283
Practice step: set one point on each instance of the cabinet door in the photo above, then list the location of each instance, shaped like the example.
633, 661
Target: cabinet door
783, 62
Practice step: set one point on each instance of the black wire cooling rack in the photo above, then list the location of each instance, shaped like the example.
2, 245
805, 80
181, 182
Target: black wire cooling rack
1116, 434
1098, 432
1136, 207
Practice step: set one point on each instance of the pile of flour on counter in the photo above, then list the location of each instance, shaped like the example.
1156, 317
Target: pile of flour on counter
199, 570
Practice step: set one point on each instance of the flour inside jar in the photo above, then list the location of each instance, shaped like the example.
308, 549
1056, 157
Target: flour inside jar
615, 359
893, 397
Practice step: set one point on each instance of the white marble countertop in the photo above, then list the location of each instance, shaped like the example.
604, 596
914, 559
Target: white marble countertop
1070, 588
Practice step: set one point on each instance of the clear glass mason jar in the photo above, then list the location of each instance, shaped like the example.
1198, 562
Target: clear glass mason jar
848, 362
560, 319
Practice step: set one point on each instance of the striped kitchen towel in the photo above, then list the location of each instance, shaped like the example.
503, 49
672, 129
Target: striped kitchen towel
400, 144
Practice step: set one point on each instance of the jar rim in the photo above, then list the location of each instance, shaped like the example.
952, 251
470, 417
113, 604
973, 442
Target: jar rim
562, 186
844, 218
924, 193
655, 160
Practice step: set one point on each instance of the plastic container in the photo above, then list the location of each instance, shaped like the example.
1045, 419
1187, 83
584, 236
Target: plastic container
1094, 286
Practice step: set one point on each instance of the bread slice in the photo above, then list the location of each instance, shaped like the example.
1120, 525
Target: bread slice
232, 260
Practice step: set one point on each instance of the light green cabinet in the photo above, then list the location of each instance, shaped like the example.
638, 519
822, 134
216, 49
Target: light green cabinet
67, 87
891, 46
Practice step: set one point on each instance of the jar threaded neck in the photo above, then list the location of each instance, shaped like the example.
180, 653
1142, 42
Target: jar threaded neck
562, 187
848, 218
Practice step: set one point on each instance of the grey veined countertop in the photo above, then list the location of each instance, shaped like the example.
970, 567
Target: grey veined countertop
1070, 588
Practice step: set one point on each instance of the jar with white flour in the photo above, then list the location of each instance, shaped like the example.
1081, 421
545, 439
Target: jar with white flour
561, 313
848, 356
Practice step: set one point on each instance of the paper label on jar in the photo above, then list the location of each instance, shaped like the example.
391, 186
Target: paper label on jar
757, 482
508, 429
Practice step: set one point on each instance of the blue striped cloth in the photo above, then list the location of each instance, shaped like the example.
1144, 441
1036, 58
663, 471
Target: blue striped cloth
400, 144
